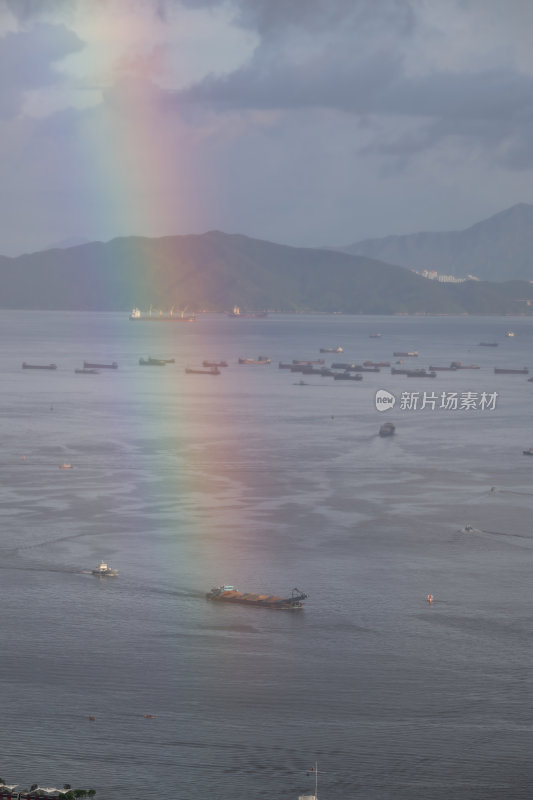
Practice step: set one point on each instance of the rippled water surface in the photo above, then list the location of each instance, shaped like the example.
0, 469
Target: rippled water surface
183, 482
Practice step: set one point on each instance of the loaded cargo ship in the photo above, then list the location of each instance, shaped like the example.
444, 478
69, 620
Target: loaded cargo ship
229, 594
160, 316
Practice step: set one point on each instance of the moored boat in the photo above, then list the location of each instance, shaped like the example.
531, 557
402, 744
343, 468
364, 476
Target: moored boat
502, 371
338, 349
214, 363
420, 373
261, 360
488, 344
94, 365
229, 594
87, 371
528, 452
38, 366
152, 362
208, 371
347, 376
403, 353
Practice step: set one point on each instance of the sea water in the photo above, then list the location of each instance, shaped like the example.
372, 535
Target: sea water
183, 482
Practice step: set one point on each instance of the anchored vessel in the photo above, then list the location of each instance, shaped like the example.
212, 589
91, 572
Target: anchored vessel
259, 360
152, 362
229, 594
93, 365
160, 316
206, 371
38, 366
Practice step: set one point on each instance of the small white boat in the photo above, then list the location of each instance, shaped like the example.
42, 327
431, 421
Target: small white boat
313, 771
105, 569
509, 333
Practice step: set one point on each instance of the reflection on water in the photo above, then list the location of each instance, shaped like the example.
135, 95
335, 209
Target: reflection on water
184, 482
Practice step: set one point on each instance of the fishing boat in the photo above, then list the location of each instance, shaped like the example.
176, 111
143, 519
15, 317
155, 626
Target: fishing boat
387, 429
38, 366
104, 570
510, 334
87, 371
528, 452
214, 363
488, 344
404, 354
420, 373
338, 349
229, 594
161, 316
94, 365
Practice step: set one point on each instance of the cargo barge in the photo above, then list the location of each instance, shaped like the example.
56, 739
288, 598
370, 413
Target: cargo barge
229, 594
501, 371
95, 365
38, 366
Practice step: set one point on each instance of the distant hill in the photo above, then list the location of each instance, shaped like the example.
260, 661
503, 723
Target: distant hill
499, 248
214, 271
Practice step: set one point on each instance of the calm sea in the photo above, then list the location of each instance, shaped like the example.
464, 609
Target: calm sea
183, 482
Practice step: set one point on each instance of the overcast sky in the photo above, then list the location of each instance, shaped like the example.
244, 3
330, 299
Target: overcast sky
307, 122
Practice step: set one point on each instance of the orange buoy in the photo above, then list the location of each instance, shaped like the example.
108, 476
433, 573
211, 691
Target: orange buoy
92, 719
429, 598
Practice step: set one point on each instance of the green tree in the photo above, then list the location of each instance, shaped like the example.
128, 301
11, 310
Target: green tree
91, 793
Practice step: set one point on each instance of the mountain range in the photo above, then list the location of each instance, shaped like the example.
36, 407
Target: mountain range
215, 271
496, 249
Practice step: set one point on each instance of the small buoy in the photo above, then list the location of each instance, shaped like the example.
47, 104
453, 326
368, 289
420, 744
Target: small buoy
429, 598
92, 718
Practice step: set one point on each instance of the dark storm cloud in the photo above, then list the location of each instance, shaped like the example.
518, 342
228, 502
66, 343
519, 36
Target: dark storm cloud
27, 62
351, 56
